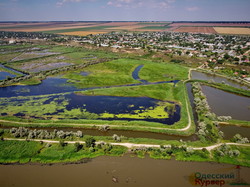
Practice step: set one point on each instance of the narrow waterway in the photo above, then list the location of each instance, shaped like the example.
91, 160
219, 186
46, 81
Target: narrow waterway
117, 171
135, 74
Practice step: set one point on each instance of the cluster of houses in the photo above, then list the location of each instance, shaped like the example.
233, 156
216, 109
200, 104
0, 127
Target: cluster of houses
217, 48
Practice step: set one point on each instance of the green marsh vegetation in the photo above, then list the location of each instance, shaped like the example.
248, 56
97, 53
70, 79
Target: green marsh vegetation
237, 155
28, 151
115, 72
119, 72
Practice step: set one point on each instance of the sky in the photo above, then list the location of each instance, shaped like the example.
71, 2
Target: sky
124, 10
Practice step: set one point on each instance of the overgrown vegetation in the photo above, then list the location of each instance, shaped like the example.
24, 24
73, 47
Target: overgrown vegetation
207, 128
26, 151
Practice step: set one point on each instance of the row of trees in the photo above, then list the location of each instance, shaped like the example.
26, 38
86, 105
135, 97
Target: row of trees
226, 150
207, 128
173, 150
239, 139
23, 132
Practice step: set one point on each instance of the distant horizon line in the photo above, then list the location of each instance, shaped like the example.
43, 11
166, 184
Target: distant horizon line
131, 21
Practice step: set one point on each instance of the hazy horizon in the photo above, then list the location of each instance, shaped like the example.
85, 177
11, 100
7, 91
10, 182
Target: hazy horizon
124, 10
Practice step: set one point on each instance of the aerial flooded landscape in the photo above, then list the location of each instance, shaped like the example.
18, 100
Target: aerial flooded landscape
122, 98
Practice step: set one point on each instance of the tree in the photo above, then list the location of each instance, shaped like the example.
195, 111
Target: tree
78, 146
79, 134
62, 143
116, 138
90, 142
239, 139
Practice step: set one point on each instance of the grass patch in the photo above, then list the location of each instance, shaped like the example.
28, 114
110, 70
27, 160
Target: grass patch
23, 152
243, 159
18, 151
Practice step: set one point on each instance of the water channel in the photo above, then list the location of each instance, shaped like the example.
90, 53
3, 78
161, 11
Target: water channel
196, 75
126, 170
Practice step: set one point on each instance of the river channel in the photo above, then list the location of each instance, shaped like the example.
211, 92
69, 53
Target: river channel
196, 75
117, 171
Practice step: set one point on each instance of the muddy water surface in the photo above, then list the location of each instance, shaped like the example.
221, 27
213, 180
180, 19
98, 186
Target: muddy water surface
115, 171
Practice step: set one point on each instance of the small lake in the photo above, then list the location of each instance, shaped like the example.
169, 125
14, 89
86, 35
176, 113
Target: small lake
129, 171
48, 86
119, 105
227, 104
99, 105
204, 76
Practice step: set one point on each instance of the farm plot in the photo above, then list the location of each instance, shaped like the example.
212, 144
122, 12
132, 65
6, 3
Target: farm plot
229, 30
205, 24
38, 27
83, 33
8, 57
34, 54
127, 27
196, 30
42, 64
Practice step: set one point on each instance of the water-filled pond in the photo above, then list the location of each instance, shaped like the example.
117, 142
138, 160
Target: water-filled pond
227, 104
48, 86
127, 170
204, 76
75, 106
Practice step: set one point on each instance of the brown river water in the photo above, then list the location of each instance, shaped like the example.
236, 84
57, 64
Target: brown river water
116, 171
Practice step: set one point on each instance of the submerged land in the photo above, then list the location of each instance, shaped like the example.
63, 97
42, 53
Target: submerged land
143, 89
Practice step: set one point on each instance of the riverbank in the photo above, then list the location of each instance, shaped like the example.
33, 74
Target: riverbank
54, 151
